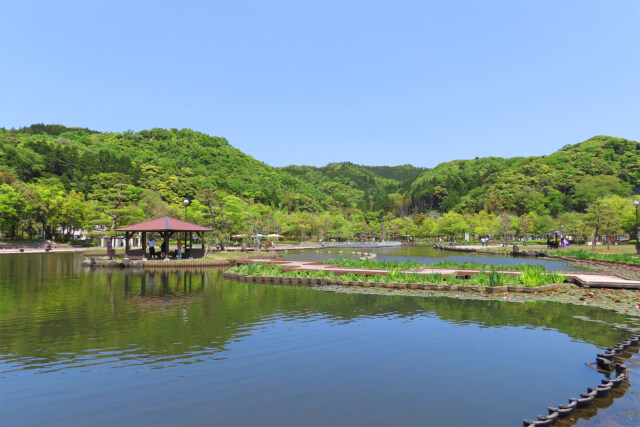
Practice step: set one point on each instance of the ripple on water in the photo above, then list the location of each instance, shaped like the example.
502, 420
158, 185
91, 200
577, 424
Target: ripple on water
108, 350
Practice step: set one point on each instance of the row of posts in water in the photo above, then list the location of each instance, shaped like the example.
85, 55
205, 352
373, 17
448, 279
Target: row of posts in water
608, 363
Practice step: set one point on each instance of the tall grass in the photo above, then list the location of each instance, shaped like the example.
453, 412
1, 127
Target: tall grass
381, 264
627, 258
472, 265
410, 265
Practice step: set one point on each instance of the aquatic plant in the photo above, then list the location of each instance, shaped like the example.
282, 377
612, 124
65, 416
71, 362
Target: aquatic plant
557, 277
453, 280
436, 278
533, 277
472, 265
377, 264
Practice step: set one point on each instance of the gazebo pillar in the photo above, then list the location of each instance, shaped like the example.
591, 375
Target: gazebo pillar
144, 244
201, 235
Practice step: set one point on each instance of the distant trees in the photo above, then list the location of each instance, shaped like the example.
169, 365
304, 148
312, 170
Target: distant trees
57, 179
604, 215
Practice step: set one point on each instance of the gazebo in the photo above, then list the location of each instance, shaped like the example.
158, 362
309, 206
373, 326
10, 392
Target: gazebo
166, 227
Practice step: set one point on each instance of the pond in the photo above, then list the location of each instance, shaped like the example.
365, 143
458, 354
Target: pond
126, 347
429, 255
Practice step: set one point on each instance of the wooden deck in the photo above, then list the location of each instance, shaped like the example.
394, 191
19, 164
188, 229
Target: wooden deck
589, 280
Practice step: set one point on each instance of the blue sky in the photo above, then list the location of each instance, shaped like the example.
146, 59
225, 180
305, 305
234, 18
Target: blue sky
313, 82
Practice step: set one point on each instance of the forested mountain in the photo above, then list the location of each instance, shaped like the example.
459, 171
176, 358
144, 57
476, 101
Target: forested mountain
368, 188
567, 180
54, 177
173, 163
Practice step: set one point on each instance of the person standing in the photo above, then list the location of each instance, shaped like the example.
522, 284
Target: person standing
152, 248
164, 249
179, 250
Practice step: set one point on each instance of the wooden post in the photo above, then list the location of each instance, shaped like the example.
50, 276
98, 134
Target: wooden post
126, 243
201, 235
165, 239
144, 244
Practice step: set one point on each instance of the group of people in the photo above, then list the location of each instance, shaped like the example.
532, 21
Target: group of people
485, 241
555, 244
164, 249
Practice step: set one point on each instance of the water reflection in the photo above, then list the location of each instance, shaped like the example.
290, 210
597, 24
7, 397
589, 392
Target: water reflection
283, 354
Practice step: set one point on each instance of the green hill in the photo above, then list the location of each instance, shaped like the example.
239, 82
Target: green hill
567, 180
368, 188
174, 163
53, 177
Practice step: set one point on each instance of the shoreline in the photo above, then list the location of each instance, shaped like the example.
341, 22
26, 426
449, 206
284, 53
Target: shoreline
70, 249
568, 294
619, 300
97, 251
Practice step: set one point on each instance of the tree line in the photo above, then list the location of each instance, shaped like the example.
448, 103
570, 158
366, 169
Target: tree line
55, 180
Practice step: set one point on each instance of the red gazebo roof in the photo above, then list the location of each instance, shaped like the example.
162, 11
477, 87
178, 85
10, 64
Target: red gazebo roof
164, 223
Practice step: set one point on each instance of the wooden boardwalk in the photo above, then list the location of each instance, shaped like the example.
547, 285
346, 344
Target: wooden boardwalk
586, 280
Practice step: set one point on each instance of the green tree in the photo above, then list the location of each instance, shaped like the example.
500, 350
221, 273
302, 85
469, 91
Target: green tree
591, 188
112, 198
13, 206
451, 224
605, 217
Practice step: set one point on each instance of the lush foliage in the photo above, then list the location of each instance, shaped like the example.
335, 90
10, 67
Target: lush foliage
54, 180
567, 180
531, 276
411, 265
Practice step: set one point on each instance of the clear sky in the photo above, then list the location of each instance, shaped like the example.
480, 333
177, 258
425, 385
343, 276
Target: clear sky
311, 82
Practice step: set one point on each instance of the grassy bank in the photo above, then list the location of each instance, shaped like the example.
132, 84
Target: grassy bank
616, 253
599, 256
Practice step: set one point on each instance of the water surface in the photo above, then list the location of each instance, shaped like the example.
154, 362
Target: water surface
428, 255
126, 347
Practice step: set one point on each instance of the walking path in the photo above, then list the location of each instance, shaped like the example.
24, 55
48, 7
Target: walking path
586, 280
64, 249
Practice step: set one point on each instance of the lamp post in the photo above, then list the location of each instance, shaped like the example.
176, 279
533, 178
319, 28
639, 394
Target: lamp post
637, 203
185, 202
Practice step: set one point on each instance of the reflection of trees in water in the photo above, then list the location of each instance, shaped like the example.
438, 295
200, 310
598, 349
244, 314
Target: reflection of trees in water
156, 309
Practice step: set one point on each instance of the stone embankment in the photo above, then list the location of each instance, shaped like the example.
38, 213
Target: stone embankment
516, 250
141, 263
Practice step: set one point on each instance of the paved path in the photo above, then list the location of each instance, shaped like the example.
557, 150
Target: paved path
43, 251
587, 280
